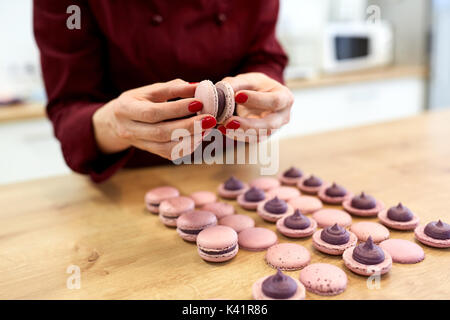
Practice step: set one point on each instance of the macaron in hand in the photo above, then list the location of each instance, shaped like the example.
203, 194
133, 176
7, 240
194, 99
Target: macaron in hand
217, 100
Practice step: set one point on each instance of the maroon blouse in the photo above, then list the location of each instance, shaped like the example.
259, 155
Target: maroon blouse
126, 44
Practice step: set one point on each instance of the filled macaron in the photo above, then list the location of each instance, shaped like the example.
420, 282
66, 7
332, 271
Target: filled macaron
250, 199
273, 209
310, 185
399, 217
232, 188
190, 224
296, 225
155, 196
171, 209
217, 243
333, 194
367, 259
334, 240
363, 205
217, 100
434, 234
291, 176
278, 287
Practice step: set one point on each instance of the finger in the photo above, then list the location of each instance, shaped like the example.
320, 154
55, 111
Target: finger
277, 99
146, 111
246, 81
170, 130
171, 150
163, 91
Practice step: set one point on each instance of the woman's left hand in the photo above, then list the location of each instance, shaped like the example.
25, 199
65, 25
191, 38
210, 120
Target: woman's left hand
262, 103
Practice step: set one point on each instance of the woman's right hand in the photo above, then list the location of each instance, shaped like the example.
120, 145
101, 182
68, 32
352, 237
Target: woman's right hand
144, 118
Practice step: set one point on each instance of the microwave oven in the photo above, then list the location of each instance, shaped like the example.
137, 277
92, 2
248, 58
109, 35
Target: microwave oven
349, 46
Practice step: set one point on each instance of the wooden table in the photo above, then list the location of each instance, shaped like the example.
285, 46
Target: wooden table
126, 253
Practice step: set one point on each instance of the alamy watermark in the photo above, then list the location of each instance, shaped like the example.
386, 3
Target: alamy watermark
74, 280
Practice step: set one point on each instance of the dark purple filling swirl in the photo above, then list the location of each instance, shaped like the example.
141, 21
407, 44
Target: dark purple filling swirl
276, 206
335, 235
368, 253
312, 181
293, 172
335, 191
400, 213
364, 202
297, 221
254, 195
279, 286
233, 184
438, 230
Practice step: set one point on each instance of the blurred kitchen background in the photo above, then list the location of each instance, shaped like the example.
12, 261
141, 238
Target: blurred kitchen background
352, 62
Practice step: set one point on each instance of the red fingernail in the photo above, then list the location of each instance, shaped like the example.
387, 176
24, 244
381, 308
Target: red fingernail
222, 129
193, 82
195, 106
233, 124
208, 122
241, 97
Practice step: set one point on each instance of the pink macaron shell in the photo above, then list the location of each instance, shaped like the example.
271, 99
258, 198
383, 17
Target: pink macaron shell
366, 270
238, 222
306, 204
398, 225
171, 209
365, 229
258, 294
361, 212
247, 205
256, 239
332, 200
307, 189
328, 217
203, 197
265, 183
288, 181
287, 256
215, 239
323, 279
206, 93
220, 209
194, 220
228, 109
429, 241
403, 251
283, 192
296, 233
156, 195
332, 249
230, 194
272, 217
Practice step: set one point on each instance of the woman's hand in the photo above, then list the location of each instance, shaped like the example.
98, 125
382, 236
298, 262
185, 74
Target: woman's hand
144, 118
262, 103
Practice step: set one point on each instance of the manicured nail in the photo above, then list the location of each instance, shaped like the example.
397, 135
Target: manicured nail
193, 82
233, 124
222, 129
208, 122
241, 97
195, 106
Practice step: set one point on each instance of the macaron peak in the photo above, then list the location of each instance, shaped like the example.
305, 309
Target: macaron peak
439, 223
278, 277
400, 206
369, 243
335, 227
